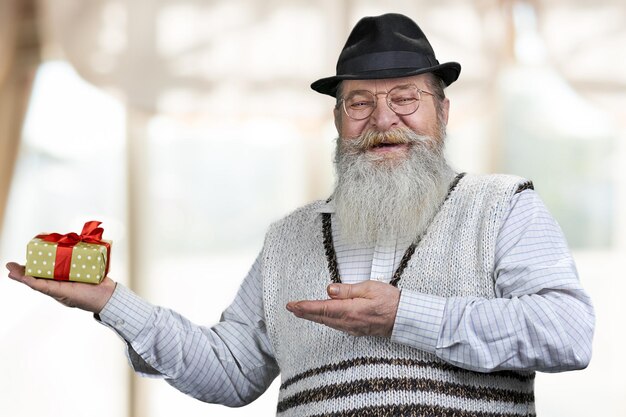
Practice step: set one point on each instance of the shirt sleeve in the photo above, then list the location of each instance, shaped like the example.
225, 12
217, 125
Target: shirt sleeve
231, 363
540, 320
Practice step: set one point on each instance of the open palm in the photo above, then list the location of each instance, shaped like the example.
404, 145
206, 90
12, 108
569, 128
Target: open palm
87, 297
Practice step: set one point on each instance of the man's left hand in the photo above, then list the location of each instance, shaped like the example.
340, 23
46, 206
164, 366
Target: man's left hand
364, 309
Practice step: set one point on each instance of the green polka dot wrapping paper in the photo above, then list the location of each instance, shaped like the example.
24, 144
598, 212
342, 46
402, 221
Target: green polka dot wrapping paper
70, 257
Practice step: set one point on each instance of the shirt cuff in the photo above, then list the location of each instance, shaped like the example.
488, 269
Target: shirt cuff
126, 313
418, 320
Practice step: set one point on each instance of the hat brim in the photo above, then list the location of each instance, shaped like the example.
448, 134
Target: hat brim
448, 72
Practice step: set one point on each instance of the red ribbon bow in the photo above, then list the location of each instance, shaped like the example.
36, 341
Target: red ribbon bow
91, 234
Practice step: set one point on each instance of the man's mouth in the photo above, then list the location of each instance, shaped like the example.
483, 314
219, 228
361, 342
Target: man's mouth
387, 146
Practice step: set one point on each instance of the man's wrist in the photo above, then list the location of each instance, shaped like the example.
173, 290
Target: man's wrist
108, 288
418, 320
126, 313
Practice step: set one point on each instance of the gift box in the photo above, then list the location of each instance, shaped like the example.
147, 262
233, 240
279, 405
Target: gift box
70, 257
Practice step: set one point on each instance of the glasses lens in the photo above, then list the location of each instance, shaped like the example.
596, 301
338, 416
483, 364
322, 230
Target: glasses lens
359, 104
404, 99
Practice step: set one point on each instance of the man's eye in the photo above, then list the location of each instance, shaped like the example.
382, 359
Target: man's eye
404, 100
361, 104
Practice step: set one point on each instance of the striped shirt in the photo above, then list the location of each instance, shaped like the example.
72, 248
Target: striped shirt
541, 318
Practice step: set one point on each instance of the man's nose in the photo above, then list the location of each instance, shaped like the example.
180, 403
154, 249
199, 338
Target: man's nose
383, 118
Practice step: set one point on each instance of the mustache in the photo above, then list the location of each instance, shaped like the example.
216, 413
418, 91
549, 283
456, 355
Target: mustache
374, 138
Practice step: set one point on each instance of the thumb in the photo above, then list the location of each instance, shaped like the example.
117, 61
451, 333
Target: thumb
16, 271
347, 291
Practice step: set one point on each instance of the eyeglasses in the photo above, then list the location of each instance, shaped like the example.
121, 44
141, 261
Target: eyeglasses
403, 100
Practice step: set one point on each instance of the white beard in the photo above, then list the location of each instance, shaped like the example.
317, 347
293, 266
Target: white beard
378, 197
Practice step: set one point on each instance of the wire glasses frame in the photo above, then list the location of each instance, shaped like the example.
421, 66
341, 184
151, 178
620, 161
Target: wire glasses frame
403, 100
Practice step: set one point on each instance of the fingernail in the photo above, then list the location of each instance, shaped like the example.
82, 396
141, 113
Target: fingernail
333, 289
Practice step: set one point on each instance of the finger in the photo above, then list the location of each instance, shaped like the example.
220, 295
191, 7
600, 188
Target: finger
318, 310
16, 271
331, 313
15, 267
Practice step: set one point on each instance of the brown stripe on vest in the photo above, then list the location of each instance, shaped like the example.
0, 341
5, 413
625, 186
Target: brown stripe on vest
362, 361
415, 410
365, 386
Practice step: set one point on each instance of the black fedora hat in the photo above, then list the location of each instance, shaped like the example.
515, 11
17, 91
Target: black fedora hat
386, 46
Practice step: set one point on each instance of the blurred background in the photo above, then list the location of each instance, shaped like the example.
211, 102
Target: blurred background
187, 127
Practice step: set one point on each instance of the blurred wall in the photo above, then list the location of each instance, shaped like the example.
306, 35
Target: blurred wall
189, 126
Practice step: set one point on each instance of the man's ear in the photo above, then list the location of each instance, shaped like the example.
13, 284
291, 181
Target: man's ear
445, 110
337, 114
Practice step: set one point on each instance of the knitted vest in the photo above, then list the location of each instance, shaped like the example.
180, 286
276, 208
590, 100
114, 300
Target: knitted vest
325, 372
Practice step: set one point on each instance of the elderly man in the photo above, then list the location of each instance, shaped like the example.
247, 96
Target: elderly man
413, 290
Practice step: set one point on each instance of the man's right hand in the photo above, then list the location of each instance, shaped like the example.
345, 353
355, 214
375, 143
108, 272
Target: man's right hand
87, 297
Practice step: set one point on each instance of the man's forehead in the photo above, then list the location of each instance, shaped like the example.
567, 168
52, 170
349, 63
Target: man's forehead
384, 84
